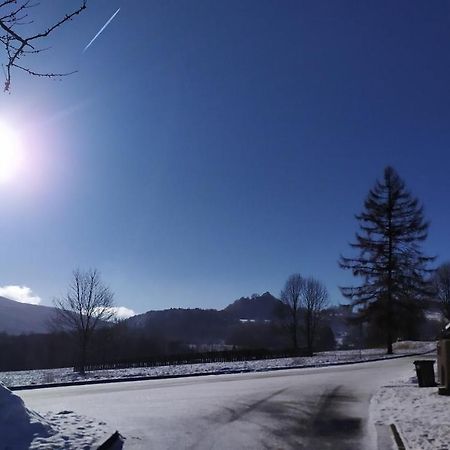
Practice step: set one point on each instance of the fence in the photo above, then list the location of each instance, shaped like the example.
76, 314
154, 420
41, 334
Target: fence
196, 358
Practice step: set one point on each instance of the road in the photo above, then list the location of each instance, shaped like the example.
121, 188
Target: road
324, 408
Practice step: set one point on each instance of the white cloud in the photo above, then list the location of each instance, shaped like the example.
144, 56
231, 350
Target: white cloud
122, 312
119, 312
21, 294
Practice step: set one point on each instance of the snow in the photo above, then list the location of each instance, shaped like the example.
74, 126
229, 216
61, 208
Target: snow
421, 415
303, 408
22, 428
66, 375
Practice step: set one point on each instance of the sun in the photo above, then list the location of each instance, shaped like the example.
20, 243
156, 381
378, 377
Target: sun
10, 153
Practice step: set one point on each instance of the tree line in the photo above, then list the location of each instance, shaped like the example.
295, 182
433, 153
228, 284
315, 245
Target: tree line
162, 341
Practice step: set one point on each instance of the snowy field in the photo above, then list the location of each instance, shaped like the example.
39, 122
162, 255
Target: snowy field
421, 415
22, 428
51, 376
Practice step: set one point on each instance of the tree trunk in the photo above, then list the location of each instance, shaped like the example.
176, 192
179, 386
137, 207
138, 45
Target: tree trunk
390, 268
389, 343
294, 336
389, 325
83, 356
308, 334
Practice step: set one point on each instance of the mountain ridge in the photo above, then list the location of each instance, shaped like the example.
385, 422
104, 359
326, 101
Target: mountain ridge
23, 318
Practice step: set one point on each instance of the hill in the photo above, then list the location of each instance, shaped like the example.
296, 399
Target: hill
258, 308
23, 318
247, 322
177, 324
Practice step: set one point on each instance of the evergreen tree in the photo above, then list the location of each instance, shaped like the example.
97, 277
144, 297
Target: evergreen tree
391, 263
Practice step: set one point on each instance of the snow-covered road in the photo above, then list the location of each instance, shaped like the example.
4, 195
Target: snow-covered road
321, 408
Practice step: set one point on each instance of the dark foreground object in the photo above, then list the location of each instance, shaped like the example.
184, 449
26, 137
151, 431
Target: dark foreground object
425, 372
397, 438
114, 442
443, 359
443, 391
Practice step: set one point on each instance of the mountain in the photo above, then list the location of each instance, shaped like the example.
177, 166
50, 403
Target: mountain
259, 308
256, 308
243, 319
23, 318
247, 322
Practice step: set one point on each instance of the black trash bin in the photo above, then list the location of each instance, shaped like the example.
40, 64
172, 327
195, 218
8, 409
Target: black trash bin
425, 372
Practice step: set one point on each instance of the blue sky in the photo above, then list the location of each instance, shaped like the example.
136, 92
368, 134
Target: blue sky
207, 150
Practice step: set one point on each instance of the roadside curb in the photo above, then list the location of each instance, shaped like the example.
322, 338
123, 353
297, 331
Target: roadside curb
203, 374
397, 438
115, 441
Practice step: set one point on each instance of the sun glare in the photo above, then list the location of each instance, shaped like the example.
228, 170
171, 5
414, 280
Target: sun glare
10, 153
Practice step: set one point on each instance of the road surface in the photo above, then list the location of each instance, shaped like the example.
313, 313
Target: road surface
323, 408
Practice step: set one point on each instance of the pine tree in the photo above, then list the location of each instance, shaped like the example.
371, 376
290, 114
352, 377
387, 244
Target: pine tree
391, 263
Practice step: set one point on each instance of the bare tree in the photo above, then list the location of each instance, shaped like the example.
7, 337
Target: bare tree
15, 18
291, 297
88, 303
314, 300
441, 282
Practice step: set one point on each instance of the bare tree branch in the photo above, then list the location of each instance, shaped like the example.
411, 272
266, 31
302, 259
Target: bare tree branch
291, 297
314, 301
18, 45
305, 299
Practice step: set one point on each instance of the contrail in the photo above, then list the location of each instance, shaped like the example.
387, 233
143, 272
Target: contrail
101, 30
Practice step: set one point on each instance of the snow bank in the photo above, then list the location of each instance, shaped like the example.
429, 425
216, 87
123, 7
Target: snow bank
19, 425
71, 431
50, 376
421, 415
22, 428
